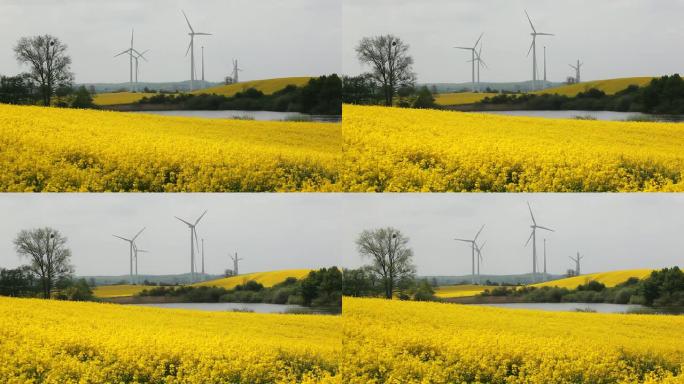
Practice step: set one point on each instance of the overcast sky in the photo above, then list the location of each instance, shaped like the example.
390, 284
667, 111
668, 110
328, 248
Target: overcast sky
269, 231
613, 231
282, 231
270, 38
614, 38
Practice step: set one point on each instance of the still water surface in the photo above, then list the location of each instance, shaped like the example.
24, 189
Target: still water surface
250, 115
598, 115
591, 307
248, 307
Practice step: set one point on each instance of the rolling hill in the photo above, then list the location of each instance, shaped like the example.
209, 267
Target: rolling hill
610, 279
267, 86
267, 279
465, 290
461, 98
609, 86
116, 98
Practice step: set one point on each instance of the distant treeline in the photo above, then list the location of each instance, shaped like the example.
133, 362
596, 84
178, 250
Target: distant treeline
662, 288
321, 288
663, 95
23, 90
320, 96
22, 282
365, 90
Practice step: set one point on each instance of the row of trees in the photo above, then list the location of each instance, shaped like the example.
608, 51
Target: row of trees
48, 271
390, 81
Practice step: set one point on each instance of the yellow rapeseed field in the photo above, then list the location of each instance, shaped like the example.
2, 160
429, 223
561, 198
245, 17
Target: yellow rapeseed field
610, 279
393, 149
461, 98
43, 341
115, 98
52, 149
609, 86
267, 279
267, 86
119, 290
415, 342
463, 290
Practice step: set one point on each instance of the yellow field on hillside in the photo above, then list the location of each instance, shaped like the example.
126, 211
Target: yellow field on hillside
267, 86
51, 341
395, 149
417, 342
610, 86
109, 291
53, 149
609, 279
464, 290
461, 98
115, 98
267, 279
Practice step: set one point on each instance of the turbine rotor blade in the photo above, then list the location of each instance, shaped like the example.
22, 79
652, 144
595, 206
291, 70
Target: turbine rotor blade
202, 33
122, 238
189, 45
530, 20
464, 240
183, 221
548, 229
478, 40
137, 234
126, 51
544, 34
188, 21
200, 218
530, 50
531, 214
465, 48
529, 238
478, 233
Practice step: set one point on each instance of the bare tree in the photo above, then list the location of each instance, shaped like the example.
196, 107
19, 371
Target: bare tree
391, 258
48, 256
49, 64
390, 62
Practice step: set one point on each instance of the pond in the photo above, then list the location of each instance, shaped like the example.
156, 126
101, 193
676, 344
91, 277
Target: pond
590, 307
597, 115
247, 307
250, 115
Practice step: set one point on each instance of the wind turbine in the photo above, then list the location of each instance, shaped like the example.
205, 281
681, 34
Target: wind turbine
533, 49
473, 247
202, 258
577, 69
131, 244
478, 248
577, 263
193, 239
235, 71
480, 64
545, 275
473, 53
135, 253
137, 56
191, 49
533, 237
130, 59
235, 263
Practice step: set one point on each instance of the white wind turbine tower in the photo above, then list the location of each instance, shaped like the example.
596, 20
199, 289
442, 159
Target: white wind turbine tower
473, 52
533, 237
478, 248
533, 49
135, 253
193, 245
480, 64
236, 69
577, 260
473, 247
544, 85
130, 52
203, 259
191, 49
577, 68
131, 244
235, 263
203, 65
545, 275
137, 56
